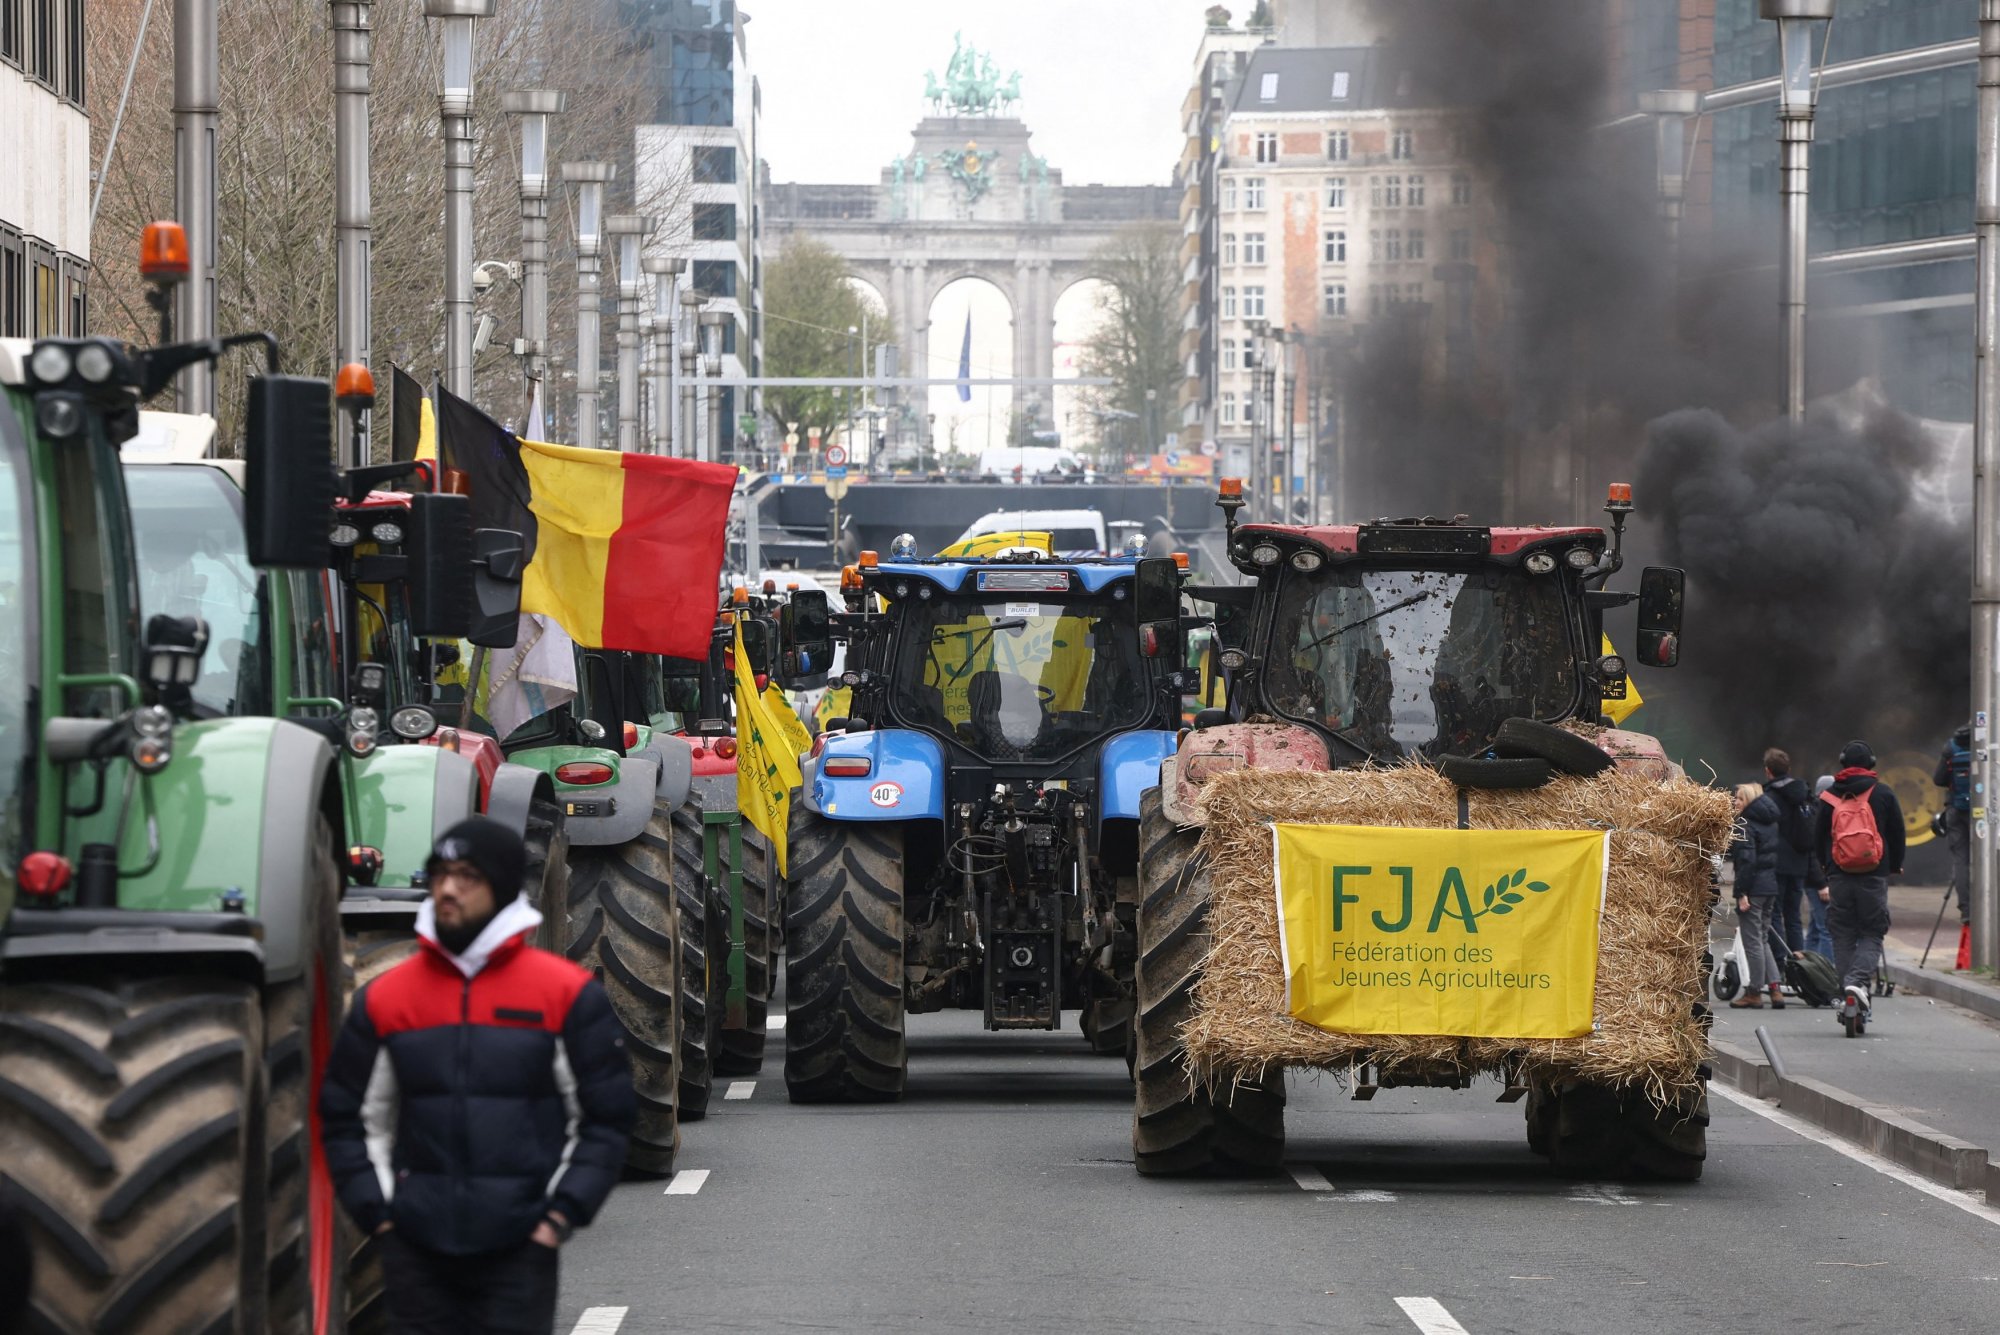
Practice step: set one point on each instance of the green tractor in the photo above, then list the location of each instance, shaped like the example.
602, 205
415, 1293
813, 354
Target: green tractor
170, 961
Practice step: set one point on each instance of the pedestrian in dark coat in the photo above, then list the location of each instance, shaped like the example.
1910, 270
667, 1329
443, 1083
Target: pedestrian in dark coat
1858, 898
1755, 855
1954, 775
1794, 806
477, 1102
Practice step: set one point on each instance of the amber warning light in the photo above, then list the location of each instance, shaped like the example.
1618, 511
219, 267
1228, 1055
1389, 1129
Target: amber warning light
354, 386
1621, 494
163, 253
1230, 486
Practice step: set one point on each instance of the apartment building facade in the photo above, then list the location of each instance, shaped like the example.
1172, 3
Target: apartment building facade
44, 169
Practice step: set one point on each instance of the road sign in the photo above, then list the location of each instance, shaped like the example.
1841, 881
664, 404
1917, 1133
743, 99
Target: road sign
1173, 458
833, 469
836, 487
836, 455
747, 423
1209, 448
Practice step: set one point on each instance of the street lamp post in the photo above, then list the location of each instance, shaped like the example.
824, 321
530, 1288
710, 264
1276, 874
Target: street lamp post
352, 210
534, 106
631, 229
1797, 94
455, 125
197, 95
1985, 832
665, 270
690, 353
589, 178
1670, 109
711, 367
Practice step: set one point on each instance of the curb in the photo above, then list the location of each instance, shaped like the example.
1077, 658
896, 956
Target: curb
1979, 998
1945, 1160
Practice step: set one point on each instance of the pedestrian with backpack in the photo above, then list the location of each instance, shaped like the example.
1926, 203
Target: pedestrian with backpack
1755, 855
1795, 842
1954, 773
1859, 839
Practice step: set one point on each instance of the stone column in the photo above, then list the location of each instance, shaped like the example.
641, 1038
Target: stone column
917, 342
1027, 325
1045, 324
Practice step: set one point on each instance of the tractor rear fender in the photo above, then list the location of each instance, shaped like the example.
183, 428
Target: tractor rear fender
403, 798
675, 758
1126, 768
599, 815
905, 778
515, 789
1208, 752
228, 777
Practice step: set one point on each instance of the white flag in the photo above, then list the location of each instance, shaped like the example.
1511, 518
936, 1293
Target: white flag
538, 674
535, 426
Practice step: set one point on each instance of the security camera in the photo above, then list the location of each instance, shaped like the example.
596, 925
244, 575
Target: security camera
481, 279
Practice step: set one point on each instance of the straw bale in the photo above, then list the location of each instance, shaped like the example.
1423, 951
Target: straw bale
1655, 925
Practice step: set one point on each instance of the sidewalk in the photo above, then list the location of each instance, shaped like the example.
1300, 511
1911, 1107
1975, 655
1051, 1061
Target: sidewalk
1922, 1085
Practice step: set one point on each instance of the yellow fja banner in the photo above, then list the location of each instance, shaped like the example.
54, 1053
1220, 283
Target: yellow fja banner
1468, 933
767, 768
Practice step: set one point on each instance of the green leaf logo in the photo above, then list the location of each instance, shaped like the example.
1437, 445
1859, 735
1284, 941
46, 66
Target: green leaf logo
1502, 896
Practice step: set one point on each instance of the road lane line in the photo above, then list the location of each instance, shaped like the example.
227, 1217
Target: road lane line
1429, 1316
1308, 1178
774, 1024
1958, 1199
687, 1182
740, 1089
1371, 1196
599, 1321
1602, 1193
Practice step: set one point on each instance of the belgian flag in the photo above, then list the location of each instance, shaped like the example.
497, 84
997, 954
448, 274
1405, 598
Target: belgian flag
624, 550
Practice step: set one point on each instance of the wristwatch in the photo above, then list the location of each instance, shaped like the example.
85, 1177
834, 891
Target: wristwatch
564, 1229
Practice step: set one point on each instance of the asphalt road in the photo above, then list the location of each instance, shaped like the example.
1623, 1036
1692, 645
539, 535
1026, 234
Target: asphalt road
1000, 1194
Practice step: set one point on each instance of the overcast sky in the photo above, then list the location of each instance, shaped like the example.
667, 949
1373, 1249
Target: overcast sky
1101, 80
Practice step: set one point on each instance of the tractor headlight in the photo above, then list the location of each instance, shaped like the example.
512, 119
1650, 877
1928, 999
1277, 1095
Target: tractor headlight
1611, 667
903, 547
1307, 560
363, 726
1265, 554
59, 416
93, 363
51, 363
344, 535
1580, 558
1540, 563
152, 721
413, 723
387, 534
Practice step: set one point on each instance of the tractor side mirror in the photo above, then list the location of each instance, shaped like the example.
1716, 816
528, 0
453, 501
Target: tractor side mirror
805, 639
1156, 602
289, 479
438, 555
499, 556
1661, 591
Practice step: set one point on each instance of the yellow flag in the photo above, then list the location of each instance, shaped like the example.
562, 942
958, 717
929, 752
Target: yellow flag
797, 740
992, 544
834, 704
767, 769
427, 431
1466, 933
1620, 710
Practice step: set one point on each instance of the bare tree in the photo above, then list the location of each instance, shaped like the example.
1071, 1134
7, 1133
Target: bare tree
275, 263
1136, 344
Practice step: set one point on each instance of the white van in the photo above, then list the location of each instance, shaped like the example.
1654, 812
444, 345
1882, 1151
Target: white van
1075, 532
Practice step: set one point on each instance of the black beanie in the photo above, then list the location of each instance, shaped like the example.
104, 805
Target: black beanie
1857, 755
488, 845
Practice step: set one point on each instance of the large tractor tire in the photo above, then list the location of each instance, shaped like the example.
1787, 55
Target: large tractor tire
844, 1000
546, 881
307, 1263
130, 1138
1591, 1131
1180, 1127
623, 926
704, 913
742, 1050
1106, 1021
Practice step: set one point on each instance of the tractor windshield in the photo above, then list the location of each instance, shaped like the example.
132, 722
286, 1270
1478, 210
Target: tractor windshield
1421, 662
18, 645
1028, 677
187, 521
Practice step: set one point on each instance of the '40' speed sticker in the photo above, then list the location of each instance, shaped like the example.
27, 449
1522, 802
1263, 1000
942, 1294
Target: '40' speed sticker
886, 794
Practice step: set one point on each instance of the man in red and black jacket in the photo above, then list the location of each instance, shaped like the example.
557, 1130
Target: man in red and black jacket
477, 1102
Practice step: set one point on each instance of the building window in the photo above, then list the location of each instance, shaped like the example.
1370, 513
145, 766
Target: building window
1461, 244
1229, 247
13, 281
1253, 303
1267, 88
1267, 147
1416, 192
1416, 250
1461, 188
1229, 303
1228, 407
1335, 247
701, 78
11, 16
1229, 193
1336, 145
715, 278
1253, 247
1229, 354
1253, 192
1392, 192
1402, 145
715, 222
1340, 82
714, 164
1392, 244
1335, 295
48, 299
44, 43
1336, 192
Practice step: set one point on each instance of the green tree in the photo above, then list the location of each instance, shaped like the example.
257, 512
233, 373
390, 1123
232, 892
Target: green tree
808, 308
1137, 341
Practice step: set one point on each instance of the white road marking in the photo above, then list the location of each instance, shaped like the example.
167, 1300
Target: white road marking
599, 1321
1959, 1199
1429, 1316
740, 1089
1309, 1178
1366, 1195
687, 1182
774, 1024
1602, 1193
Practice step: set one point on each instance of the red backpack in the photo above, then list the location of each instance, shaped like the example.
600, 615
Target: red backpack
1857, 840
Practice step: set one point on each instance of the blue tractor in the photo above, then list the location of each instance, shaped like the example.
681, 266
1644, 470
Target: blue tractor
967, 833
